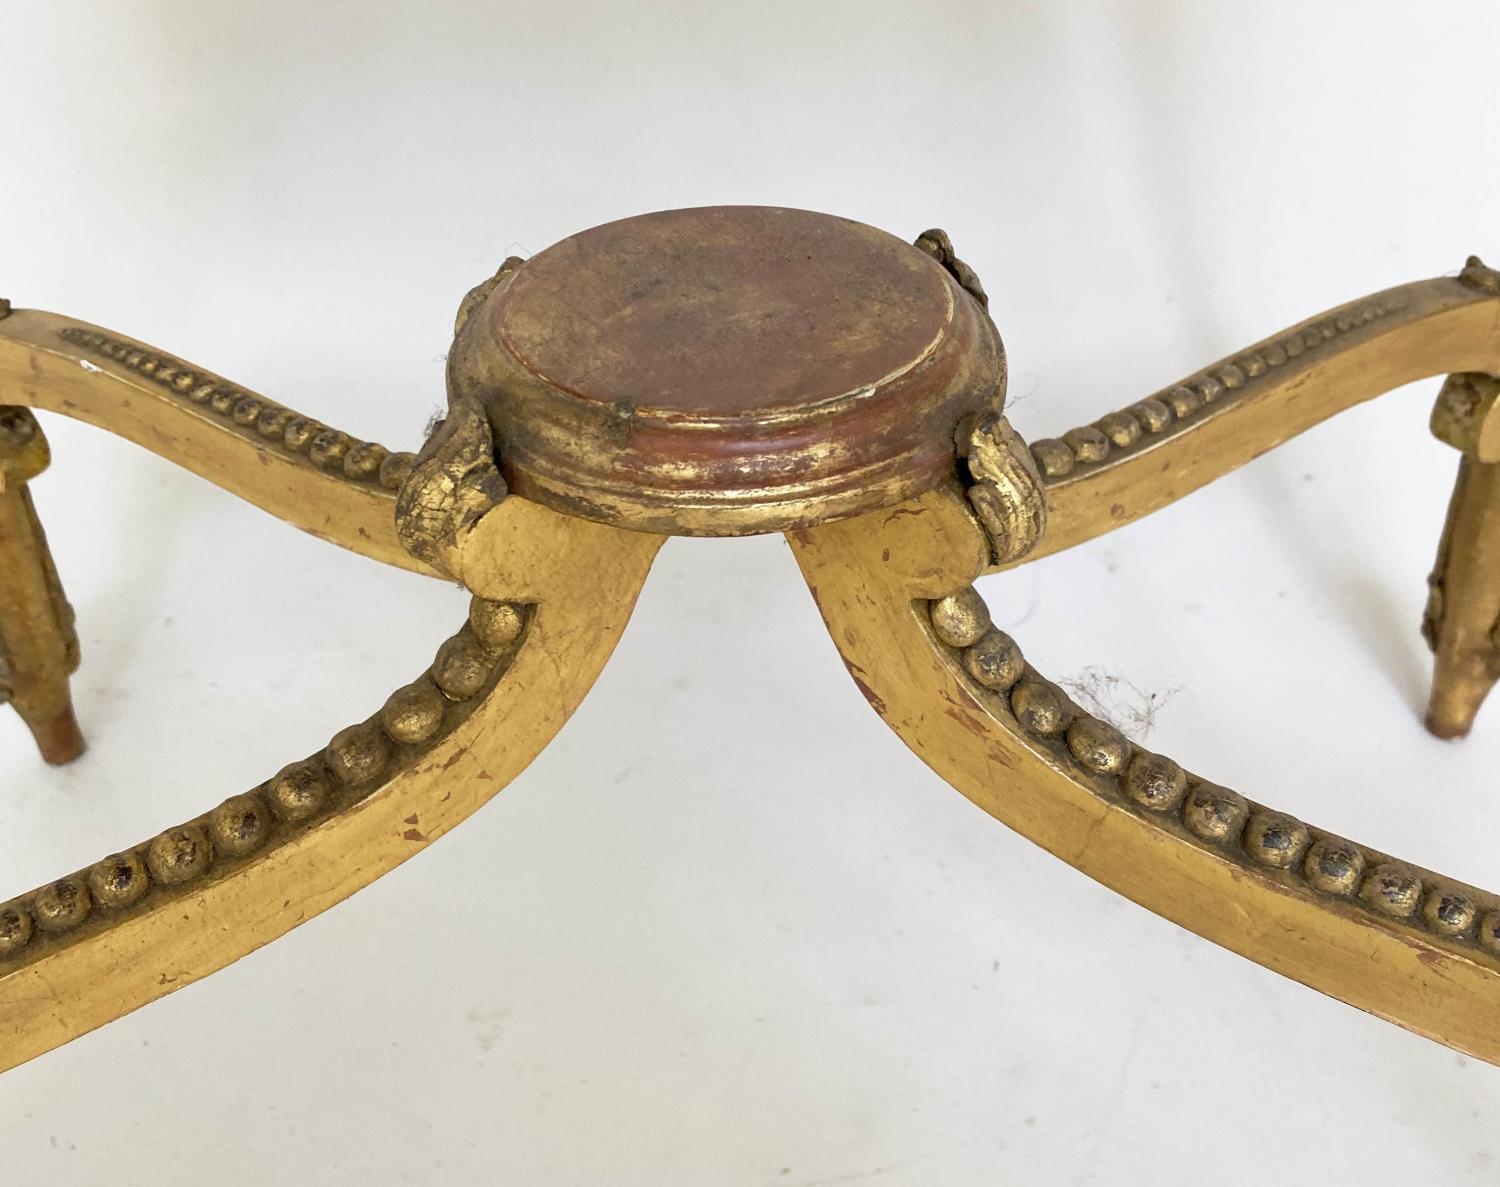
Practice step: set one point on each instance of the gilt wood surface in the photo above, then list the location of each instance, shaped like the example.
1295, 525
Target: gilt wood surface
890, 548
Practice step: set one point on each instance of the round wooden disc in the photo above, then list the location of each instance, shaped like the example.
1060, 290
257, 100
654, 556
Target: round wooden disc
725, 370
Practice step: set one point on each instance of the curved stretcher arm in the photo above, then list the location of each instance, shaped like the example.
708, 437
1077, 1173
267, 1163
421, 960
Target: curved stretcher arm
1135, 461
895, 591
550, 606
299, 470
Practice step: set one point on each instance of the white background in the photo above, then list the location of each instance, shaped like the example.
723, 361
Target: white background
727, 930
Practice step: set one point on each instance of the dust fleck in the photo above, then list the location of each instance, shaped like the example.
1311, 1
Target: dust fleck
488, 1024
1111, 697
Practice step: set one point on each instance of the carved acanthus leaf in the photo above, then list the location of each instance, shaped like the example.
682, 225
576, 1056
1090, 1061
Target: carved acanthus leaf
1007, 491
453, 482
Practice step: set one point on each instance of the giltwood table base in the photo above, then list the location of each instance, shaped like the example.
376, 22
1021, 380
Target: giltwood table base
548, 501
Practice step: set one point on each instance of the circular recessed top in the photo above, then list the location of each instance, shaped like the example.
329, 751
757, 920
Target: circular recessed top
727, 370
724, 311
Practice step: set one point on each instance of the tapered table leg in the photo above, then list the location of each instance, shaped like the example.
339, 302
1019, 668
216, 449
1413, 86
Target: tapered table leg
38, 646
1463, 602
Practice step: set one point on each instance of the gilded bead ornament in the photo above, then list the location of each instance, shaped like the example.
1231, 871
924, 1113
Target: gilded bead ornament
1121, 428
1215, 813
1087, 444
298, 791
1335, 866
995, 661
1098, 746
961, 619
240, 825
119, 881
1153, 415
462, 666
1450, 913
1040, 706
1184, 401
358, 754
1276, 839
61, 905
299, 433
178, 855
15, 929
1231, 376
1053, 458
394, 470
1155, 781
496, 624
413, 714
1392, 889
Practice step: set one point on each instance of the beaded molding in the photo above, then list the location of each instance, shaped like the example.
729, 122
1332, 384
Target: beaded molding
1220, 385
1159, 790
356, 763
251, 415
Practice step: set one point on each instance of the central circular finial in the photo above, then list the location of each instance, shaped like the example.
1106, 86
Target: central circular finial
724, 311
727, 370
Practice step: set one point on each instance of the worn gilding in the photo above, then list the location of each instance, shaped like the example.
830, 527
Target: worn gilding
725, 371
